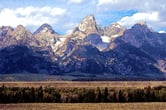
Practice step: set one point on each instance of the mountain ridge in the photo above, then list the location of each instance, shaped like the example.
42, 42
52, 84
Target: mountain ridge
89, 49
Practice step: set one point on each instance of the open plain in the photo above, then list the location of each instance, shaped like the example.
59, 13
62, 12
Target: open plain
84, 106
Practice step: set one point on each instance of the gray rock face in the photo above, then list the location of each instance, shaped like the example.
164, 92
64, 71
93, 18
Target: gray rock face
129, 52
137, 35
88, 25
145, 39
93, 39
114, 30
4, 31
18, 39
45, 28
17, 36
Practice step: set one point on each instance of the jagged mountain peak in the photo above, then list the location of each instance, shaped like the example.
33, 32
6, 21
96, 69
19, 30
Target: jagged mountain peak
4, 30
134, 51
45, 28
88, 25
114, 30
89, 17
17, 36
20, 27
142, 23
141, 26
20, 30
117, 25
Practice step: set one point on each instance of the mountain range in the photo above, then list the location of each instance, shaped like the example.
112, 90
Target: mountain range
99, 53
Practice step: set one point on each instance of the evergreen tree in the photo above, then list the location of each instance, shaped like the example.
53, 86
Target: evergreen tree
98, 95
105, 95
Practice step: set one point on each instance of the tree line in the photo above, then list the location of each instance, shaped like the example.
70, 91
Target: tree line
81, 95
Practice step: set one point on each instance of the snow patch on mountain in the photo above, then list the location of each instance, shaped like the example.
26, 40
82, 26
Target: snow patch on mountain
105, 39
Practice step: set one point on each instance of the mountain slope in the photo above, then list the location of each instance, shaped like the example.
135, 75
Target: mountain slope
17, 59
89, 49
152, 43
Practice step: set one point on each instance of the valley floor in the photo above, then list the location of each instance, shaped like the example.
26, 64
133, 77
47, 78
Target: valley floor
85, 106
84, 84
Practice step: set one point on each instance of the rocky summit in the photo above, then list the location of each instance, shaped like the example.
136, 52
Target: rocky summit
90, 52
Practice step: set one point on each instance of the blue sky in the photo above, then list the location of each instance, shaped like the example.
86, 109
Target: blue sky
64, 15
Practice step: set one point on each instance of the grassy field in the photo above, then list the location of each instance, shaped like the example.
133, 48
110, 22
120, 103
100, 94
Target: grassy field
84, 106
92, 84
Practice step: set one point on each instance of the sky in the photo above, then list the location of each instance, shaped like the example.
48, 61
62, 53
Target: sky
64, 15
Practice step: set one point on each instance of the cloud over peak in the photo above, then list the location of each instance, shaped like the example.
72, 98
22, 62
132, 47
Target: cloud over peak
31, 16
64, 15
128, 21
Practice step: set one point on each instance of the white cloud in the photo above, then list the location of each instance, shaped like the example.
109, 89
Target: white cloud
31, 16
140, 5
162, 31
34, 10
57, 11
64, 15
76, 1
106, 5
105, 2
146, 10
151, 18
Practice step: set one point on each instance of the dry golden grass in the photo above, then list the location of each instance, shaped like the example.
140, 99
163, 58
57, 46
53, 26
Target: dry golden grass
84, 84
84, 106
